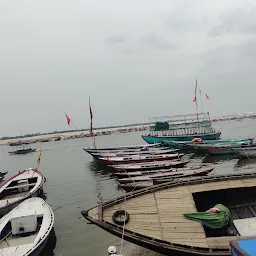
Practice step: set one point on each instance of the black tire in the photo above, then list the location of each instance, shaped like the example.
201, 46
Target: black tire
120, 213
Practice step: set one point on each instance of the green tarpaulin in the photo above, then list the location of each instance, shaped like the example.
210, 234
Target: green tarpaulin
214, 220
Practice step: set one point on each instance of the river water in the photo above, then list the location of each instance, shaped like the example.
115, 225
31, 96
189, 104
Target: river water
75, 182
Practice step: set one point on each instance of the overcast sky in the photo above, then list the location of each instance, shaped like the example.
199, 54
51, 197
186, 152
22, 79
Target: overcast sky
135, 58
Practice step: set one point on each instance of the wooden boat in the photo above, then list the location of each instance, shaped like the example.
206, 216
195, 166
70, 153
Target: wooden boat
176, 163
223, 149
148, 152
131, 147
138, 159
26, 229
17, 143
181, 128
149, 172
25, 184
171, 174
246, 151
154, 217
133, 186
191, 145
23, 149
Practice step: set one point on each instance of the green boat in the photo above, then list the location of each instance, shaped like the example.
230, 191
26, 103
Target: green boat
181, 128
191, 145
221, 149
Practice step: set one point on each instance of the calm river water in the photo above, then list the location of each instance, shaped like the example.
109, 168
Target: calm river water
75, 183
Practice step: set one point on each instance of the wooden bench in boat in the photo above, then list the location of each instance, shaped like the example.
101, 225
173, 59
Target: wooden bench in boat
20, 186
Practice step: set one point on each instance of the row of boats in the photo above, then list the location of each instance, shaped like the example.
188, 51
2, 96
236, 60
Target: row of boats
146, 165
239, 147
26, 219
174, 209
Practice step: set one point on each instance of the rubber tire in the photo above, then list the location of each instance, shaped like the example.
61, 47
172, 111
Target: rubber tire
120, 212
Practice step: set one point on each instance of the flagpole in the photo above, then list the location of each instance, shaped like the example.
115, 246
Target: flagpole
76, 129
91, 131
196, 102
201, 100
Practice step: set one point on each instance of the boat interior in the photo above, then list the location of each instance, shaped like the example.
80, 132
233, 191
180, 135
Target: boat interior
18, 231
18, 188
240, 201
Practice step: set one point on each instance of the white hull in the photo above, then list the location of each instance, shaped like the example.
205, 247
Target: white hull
15, 190
34, 235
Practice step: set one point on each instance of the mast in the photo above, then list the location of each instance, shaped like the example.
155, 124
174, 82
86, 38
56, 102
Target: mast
201, 100
195, 100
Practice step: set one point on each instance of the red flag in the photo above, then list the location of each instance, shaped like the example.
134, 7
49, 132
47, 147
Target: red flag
90, 109
68, 119
207, 97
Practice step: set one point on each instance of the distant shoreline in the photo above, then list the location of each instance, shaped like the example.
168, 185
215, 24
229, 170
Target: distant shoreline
105, 131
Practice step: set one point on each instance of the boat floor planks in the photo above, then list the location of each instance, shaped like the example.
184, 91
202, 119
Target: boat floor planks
158, 213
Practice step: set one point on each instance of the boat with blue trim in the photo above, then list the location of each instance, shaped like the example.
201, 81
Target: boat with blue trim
181, 128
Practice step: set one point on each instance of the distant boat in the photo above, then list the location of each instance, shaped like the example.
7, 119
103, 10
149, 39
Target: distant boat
181, 128
18, 143
23, 149
58, 138
26, 229
25, 184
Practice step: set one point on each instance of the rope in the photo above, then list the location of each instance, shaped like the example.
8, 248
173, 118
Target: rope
122, 239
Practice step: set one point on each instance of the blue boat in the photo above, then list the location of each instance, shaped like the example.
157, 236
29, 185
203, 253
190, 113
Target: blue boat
243, 247
181, 128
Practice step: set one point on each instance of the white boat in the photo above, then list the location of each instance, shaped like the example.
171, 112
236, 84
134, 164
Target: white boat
138, 158
153, 151
25, 229
129, 147
25, 184
246, 151
123, 148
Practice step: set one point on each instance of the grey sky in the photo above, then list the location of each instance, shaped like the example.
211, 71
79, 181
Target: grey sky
135, 59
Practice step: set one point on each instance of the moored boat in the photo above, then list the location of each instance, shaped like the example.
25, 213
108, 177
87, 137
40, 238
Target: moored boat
150, 172
150, 165
163, 217
181, 128
138, 159
25, 230
118, 148
159, 151
25, 184
193, 145
246, 151
23, 149
171, 174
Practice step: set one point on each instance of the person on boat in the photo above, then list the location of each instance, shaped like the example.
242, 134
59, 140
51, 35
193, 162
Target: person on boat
144, 148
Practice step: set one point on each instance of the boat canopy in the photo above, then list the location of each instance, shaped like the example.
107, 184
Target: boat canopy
181, 125
216, 218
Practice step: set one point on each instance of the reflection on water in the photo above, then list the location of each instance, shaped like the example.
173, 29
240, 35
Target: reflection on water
100, 169
50, 246
213, 159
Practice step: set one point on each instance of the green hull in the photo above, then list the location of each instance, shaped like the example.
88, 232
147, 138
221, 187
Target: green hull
190, 145
159, 139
